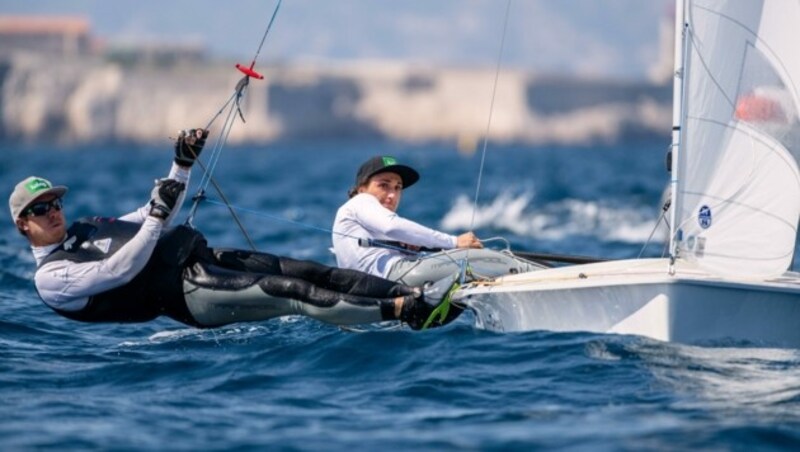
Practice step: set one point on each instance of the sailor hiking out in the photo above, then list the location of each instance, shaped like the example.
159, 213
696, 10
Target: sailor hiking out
136, 267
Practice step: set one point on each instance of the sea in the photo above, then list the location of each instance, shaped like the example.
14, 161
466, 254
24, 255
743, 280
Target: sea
300, 385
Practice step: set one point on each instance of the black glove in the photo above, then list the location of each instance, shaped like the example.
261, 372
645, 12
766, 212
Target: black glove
189, 145
164, 196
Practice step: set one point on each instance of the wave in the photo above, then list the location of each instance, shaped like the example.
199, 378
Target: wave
16, 265
726, 376
516, 213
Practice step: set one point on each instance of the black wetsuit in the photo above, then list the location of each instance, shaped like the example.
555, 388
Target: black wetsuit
184, 277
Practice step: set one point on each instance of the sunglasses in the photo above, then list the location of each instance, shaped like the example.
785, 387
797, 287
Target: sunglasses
42, 208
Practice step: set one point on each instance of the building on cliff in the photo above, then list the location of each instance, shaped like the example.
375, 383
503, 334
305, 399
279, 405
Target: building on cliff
63, 36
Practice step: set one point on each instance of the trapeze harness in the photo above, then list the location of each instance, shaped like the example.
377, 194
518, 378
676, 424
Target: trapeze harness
156, 290
199, 286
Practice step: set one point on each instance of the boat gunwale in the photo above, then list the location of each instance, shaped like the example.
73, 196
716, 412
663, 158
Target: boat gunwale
626, 272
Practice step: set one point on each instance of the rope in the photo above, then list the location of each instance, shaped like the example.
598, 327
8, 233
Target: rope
215, 154
491, 111
266, 32
662, 217
233, 105
488, 125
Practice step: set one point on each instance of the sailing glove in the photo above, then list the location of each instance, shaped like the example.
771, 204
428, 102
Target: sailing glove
189, 145
164, 197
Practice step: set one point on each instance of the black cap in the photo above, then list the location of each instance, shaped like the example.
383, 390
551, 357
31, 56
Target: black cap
386, 164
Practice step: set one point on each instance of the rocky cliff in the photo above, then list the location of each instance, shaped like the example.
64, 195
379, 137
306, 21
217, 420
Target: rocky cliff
93, 101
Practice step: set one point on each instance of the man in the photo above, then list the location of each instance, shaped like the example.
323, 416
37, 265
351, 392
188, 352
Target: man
371, 214
135, 268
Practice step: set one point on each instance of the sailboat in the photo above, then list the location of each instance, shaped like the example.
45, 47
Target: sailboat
735, 202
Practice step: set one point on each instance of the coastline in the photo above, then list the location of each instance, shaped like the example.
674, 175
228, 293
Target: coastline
90, 100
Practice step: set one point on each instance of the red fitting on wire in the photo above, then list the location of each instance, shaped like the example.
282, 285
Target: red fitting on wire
248, 71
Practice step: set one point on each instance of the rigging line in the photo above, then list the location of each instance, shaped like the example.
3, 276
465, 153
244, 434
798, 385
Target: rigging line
491, 110
236, 97
666, 242
207, 177
200, 194
225, 133
208, 126
217, 150
232, 211
666, 204
221, 140
661, 218
226, 130
266, 32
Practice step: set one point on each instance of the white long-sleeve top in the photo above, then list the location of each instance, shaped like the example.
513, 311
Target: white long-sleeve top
363, 217
67, 285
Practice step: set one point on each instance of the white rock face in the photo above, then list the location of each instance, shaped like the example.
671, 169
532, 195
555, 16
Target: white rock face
92, 101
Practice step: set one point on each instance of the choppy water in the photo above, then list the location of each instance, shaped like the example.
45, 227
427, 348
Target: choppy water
297, 384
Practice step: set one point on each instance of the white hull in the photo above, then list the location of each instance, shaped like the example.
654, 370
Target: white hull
640, 297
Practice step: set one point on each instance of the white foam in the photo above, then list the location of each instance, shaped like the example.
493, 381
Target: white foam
166, 336
197, 333
163, 336
557, 220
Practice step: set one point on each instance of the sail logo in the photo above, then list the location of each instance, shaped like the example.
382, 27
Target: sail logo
704, 217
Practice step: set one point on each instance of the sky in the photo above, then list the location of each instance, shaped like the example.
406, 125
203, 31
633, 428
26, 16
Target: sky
587, 37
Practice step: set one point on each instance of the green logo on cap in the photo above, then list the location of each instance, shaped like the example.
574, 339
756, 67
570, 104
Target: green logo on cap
37, 185
388, 161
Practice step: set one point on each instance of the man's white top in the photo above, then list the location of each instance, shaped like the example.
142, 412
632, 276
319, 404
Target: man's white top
363, 217
67, 285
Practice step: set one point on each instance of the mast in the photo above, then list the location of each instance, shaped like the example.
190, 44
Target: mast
681, 39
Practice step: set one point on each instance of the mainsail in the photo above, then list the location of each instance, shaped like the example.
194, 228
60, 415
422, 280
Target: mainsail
737, 194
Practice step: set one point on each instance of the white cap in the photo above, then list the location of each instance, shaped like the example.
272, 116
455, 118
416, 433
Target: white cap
26, 192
